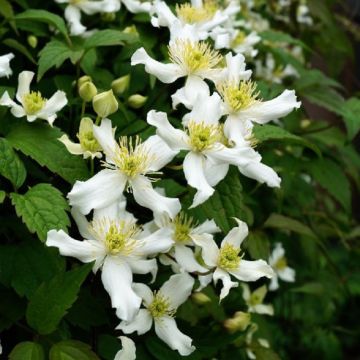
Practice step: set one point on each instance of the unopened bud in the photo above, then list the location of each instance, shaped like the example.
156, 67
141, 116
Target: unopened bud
32, 41
83, 80
136, 101
200, 298
131, 30
105, 104
87, 91
121, 84
239, 322
108, 17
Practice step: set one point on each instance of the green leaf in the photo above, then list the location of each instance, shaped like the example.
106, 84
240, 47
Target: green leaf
331, 177
263, 353
40, 142
11, 167
274, 133
7, 12
72, 350
19, 47
313, 288
45, 17
258, 245
2, 196
279, 36
53, 54
42, 208
351, 116
27, 350
109, 37
53, 298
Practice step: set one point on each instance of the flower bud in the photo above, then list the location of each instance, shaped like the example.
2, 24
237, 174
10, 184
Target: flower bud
87, 91
32, 41
136, 101
200, 298
83, 80
108, 17
121, 84
105, 104
131, 30
239, 322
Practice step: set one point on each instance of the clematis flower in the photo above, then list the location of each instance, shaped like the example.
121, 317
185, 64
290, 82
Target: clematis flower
208, 158
281, 270
88, 146
115, 242
89, 7
5, 69
254, 300
228, 261
32, 104
137, 6
127, 165
128, 351
160, 308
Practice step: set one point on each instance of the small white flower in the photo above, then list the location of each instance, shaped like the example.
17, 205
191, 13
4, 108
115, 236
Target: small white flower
254, 300
115, 243
137, 6
127, 165
282, 271
250, 344
88, 146
228, 261
160, 308
128, 351
5, 69
32, 104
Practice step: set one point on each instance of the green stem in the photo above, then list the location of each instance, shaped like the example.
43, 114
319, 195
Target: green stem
98, 120
83, 107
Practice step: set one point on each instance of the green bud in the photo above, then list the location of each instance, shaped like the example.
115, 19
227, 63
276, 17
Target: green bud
105, 104
32, 41
108, 17
121, 84
87, 91
136, 101
131, 30
239, 322
200, 298
83, 80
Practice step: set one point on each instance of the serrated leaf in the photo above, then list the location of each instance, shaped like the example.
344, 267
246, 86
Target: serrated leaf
27, 350
53, 298
72, 350
11, 167
274, 133
108, 37
351, 115
19, 47
42, 208
40, 142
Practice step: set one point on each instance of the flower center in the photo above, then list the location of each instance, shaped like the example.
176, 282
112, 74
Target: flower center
160, 306
281, 264
191, 15
203, 136
33, 102
229, 258
88, 141
193, 57
239, 97
239, 39
182, 225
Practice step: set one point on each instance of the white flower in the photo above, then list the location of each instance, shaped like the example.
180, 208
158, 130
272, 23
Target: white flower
254, 300
88, 146
32, 104
127, 164
207, 161
128, 351
115, 243
228, 261
250, 344
137, 6
5, 69
278, 262
160, 308
89, 7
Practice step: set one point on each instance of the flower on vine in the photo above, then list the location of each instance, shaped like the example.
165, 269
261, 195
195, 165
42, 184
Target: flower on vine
127, 165
160, 309
5, 69
118, 246
228, 260
32, 104
254, 300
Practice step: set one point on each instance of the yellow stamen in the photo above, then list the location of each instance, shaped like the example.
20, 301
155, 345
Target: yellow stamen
191, 15
33, 102
160, 306
183, 224
203, 136
229, 258
281, 264
86, 136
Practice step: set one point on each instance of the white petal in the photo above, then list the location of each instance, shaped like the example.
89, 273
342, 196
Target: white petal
287, 274
82, 224
140, 266
276, 254
214, 173
222, 275
86, 251
162, 154
167, 73
176, 139
159, 241
210, 251
185, 257
263, 112
204, 281
100, 191
252, 270
193, 166
16, 110
71, 147
208, 226
144, 292
53, 105
141, 323
237, 130
128, 351
236, 235
262, 173
194, 85
24, 81
246, 292
5, 69
274, 283
146, 196
111, 212
73, 16
104, 134
235, 69
166, 329
117, 280
165, 17
104, 6
265, 309
137, 6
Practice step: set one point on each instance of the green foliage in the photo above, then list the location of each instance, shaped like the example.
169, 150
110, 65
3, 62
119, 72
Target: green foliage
27, 351
71, 350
